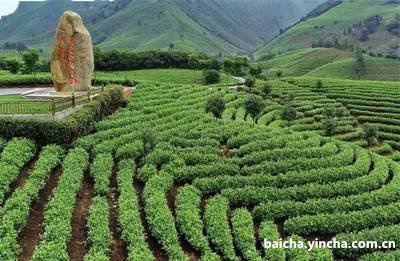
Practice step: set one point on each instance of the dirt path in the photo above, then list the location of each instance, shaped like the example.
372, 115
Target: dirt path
22, 178
118, 247
77, 246
29, 236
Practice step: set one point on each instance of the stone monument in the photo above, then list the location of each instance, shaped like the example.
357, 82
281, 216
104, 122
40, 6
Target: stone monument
72, 61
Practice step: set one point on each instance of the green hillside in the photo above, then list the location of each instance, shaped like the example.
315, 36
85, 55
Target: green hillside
330, 63
228, 27
346, 23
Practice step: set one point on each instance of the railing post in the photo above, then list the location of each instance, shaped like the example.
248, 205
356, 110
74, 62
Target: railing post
53, 107
73, 100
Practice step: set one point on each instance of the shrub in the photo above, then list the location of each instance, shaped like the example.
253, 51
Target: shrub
211, 76
370, 133
215, 105
64, 132
217, 226
250, 81
99, 234
130, 222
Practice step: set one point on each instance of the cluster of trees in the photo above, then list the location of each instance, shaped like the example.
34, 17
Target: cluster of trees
117, 60
394, 26
30, 65
17, 46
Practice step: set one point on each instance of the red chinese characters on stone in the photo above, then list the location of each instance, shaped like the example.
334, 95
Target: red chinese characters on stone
72, 73
66, 54
62, 52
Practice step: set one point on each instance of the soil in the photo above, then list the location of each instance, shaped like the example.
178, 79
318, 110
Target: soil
226, 151
77, 246
281, 230
29, 236
118, 246
22, 178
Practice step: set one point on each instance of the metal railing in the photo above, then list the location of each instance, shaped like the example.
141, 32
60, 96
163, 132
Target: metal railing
51, 106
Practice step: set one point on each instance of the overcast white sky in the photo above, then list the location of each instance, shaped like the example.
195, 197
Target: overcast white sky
9, 6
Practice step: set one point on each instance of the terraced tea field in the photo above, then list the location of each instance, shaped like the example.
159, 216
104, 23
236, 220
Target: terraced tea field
162, 180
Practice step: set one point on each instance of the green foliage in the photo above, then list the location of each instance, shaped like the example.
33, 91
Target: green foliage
15, 211
58, 214
211, 76
30, 58
215, 105
297, 254
250, 81
370, 133
360, 63
242, 226
159, 216
99, 234
266, 89
129, 216
14, 156
217, 226
101, 171
254, 105
269, 231
288, 113
330, 125
189, 221
13, 66
64, 131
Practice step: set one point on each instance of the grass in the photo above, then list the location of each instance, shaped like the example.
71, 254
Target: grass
172, 76
12, 97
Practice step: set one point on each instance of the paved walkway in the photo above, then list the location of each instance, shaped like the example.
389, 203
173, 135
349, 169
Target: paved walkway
10, 91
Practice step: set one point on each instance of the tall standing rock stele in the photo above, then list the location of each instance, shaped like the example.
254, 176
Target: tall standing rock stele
72, 61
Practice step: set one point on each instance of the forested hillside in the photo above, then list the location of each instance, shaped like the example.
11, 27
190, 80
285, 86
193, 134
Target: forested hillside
371, 24
218, 26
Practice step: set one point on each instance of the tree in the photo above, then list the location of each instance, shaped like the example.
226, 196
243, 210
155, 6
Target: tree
171, 46
279, 73
360, 63
255, 70
211, 76
370, 133
13, 66
148, 138
288, 113
266, 89
215, 105
250, 81
330, 125
193, 64
31, 59
253, 106
319, 85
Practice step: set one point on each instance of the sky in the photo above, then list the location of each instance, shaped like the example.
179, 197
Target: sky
9, 6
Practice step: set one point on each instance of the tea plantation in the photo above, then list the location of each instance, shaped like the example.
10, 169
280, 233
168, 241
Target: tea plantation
162, 179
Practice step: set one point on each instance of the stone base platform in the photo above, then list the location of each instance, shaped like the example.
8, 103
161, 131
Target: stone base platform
49, 94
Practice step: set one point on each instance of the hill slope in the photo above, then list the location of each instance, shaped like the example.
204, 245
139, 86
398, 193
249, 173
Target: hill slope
351, 21
217, 26
330, 63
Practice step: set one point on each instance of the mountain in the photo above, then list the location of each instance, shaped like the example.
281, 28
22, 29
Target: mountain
330, 63
212, 26
371, 24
